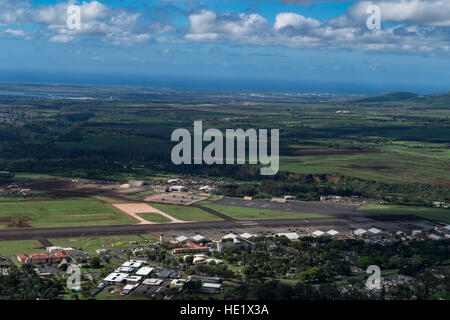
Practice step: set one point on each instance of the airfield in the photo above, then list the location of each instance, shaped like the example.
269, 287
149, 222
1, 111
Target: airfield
90, 208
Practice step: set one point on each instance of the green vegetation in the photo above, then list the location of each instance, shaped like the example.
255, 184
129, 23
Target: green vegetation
13, 248
186, 213
241, 213
90, 244
428, 213
153, 217
60, 213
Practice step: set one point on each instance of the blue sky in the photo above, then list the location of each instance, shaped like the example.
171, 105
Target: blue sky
289, 45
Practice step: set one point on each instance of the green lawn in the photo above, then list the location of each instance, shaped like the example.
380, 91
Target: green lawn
89, 244
153, 217
241, 213
62, 213
13, 248
425, 212
186, 213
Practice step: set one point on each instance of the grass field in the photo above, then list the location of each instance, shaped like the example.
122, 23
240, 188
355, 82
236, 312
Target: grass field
140, 195
90, 244
241, 213
13, 248
153, 217
62, 213
429, 213
186, 213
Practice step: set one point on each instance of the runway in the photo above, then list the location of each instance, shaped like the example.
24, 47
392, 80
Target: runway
67, 232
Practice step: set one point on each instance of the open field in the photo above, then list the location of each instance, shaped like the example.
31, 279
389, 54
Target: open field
12, 248
60, 213
242, 213
154, 217
90, 244
427, 213
186, 213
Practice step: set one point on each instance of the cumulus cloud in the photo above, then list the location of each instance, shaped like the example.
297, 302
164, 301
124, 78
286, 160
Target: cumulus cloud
207, 25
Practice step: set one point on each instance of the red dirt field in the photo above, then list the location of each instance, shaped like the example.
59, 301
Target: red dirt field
22, 223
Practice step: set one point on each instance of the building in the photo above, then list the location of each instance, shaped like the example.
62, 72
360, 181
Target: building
134, 264
198, 238
281, 200
177, 189
318, 233
181, 239
290, 235
247, 235
115, 278
42, 257
152, 282
435, 237
56, 248
124, 270
248, 198
236, 243
332, 232
210, 287
144, 271
192, 248
374, 231
178, 283
359, 232
127, 289
229, 236
133, 279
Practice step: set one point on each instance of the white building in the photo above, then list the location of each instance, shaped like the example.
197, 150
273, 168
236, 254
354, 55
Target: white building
317, 233
124, 270
198, 238
289, 235
144, 271
374, 230
152, 282
332, 232
247, 235
178, 189
359, 232
181, 239
229, 236
133, 279
115, 278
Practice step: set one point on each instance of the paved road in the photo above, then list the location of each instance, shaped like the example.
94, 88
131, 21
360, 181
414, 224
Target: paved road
44, 233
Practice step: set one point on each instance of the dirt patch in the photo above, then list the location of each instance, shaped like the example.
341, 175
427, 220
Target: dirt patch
21, 223
132, 209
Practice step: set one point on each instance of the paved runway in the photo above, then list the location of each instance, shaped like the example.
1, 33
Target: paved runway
66, 232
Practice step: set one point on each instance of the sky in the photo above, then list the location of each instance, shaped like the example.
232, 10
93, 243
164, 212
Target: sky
256, 45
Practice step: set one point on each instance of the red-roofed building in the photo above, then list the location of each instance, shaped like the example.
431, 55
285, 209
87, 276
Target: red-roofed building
42, 257
193, 248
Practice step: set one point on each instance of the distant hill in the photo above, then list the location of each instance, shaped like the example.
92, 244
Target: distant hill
442, 99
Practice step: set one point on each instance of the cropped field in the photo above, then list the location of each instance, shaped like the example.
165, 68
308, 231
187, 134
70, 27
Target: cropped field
241, 213
428, 213
60, 213
186, 213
